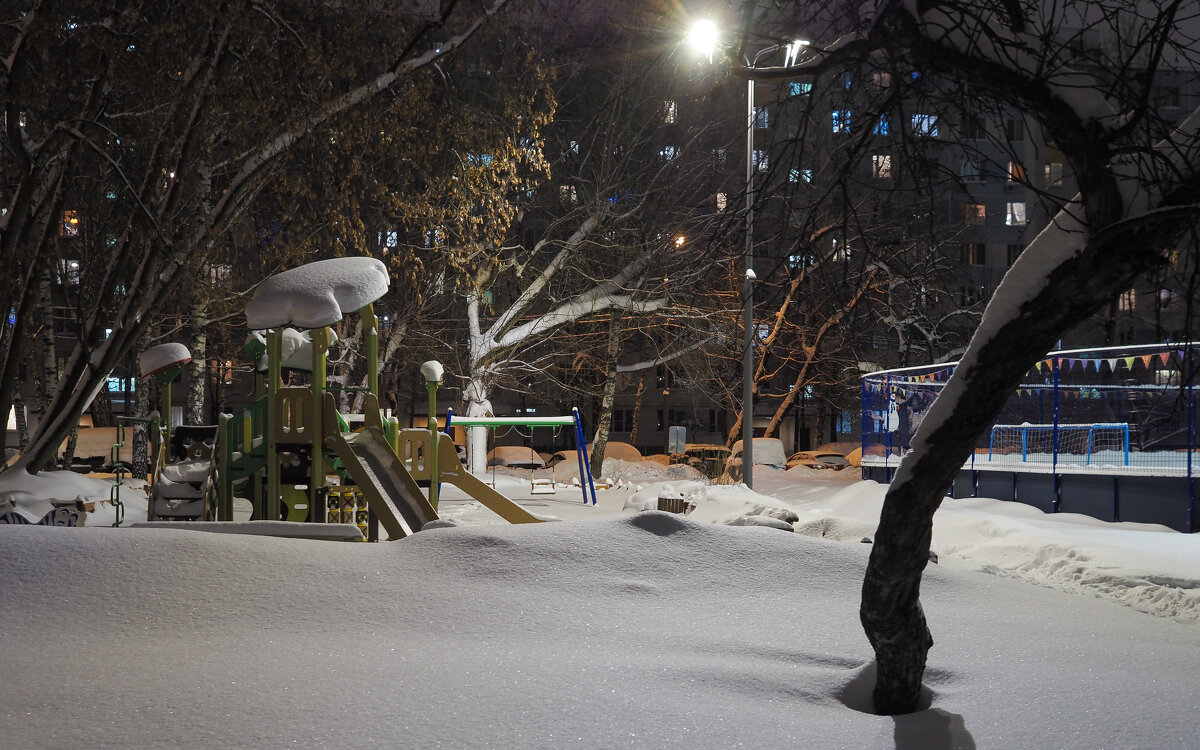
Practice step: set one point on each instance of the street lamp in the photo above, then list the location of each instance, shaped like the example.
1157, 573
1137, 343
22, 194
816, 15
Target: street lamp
704, 38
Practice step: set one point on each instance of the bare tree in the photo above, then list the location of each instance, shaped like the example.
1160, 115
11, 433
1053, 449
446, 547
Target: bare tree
1138, 183
612, 231
185, 116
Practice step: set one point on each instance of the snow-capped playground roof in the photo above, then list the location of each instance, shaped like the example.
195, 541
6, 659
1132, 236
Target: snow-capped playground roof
158, 358
317, 294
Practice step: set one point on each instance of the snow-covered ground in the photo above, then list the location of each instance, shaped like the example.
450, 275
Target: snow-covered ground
613, 628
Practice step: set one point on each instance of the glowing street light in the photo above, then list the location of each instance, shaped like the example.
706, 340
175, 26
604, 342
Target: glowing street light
704, 38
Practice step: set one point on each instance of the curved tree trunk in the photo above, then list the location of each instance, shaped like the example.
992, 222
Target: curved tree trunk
1009, 342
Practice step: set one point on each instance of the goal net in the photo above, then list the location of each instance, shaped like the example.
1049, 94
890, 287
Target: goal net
1083, 444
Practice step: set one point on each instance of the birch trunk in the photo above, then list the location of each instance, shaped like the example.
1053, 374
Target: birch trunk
604, 423
478, 405
193, 410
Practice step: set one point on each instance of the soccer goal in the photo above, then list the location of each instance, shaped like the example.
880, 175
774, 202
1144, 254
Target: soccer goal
1085, 444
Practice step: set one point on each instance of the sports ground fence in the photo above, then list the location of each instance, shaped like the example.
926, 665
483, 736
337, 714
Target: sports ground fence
1120, 412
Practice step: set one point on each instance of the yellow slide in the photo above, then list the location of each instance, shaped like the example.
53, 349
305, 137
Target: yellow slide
392, 494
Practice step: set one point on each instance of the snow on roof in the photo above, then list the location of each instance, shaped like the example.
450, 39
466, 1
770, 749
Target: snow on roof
158, 358
317, 294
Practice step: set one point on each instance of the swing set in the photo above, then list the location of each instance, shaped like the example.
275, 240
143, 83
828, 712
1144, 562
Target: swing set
585, 470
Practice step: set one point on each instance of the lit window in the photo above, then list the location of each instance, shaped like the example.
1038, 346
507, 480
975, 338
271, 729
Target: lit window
70, 224
800, 175
1054, 173
722, 202
69, 272
974, 213
1014, 214
883, 126
881, 80
220, 273
760, 160
881, 166
567, 194
925, 125
761, 118
841, 250
1016, 172
669, 152
479, 160
841, 121
799, 88
670, 111
1127, 301
435, 237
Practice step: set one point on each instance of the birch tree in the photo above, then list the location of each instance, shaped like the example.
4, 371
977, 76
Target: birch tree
1068, 67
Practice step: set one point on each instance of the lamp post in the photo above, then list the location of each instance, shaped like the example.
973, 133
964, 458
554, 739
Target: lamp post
703, 37
433, 371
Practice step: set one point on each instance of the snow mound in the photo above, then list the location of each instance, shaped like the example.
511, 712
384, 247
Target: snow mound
648, 630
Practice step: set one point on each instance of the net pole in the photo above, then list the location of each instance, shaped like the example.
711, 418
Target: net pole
1054, 460
1191, 444
862, 423
887, 410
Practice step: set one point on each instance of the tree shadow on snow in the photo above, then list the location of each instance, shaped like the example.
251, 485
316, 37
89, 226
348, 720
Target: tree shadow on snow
926, 729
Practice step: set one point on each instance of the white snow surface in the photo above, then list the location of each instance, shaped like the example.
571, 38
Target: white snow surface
613, 628
162, 356
317, 294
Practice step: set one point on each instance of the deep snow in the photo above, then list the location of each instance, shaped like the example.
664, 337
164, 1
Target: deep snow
613, 628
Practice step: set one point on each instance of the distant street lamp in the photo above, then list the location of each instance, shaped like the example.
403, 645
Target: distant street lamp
703, 38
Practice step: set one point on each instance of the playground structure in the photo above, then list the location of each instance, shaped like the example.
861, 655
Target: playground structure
1108, 432
291, 454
